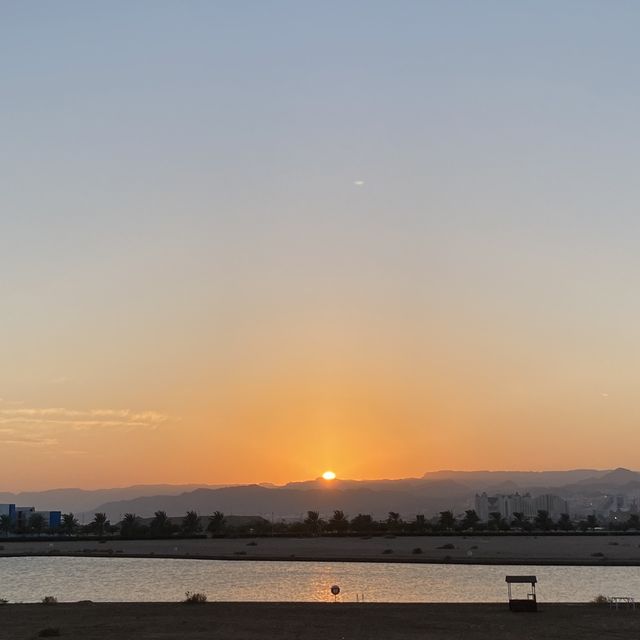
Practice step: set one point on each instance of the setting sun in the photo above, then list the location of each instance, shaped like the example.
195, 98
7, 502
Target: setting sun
329, 475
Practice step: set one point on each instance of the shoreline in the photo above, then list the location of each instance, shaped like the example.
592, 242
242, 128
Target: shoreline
620, 551
315, 621
537, 562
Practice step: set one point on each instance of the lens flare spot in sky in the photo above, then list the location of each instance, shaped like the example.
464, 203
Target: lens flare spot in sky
329, 475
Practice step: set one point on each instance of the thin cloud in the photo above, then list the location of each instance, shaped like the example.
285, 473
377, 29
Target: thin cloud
82, 419
16, 437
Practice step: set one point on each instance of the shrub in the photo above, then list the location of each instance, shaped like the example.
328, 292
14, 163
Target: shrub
417, 550
49, 632
600, 600
49, 600
3, 601
597, 554
252, 544
449, 545
388, 551
195, 597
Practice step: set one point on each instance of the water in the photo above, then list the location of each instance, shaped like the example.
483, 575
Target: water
166, 580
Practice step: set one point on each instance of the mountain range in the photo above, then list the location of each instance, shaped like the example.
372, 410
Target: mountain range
433, 492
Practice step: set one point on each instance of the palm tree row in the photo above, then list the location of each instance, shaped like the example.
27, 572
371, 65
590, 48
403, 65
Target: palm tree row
131, 526
162, 526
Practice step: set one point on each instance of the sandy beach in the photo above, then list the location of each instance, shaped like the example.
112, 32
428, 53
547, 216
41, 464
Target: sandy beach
287, 621
570, 550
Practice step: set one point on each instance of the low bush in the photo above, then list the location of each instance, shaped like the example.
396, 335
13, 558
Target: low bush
49, 632
417, 551
195, 597
600, 600
388, 551
597, 554
49, 600
449, 545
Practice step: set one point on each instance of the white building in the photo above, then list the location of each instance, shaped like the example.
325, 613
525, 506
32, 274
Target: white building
507, 505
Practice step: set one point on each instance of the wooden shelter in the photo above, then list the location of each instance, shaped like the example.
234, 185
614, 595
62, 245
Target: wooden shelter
522, 604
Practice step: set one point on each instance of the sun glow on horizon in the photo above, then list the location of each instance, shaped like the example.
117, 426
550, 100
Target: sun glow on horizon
329, 475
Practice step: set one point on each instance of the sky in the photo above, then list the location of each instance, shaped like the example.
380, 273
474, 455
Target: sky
246, 241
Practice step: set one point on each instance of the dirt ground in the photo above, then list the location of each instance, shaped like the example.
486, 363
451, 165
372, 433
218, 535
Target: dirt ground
296, 621
583, 550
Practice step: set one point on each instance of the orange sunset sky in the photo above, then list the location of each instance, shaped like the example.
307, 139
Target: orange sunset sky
247, 242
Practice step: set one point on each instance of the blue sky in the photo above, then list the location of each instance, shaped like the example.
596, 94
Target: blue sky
181, 227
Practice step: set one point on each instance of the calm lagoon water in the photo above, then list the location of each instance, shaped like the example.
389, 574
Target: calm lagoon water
166, 580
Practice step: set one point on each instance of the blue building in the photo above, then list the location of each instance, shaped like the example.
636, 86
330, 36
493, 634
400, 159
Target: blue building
8, 510
20, 516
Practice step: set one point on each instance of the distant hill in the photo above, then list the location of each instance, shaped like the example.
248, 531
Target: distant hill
617, 477
433, 492
83, 500
481, 480
291, 503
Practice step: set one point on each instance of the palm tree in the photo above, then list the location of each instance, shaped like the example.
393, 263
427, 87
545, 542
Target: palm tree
470, 520
191, 523
519, 521
37, 523
394, 522
542, 521
313, 523
497, 522
633, 522
338, 522
160, 525
419, 524
5, 524
362, 523
100, 523
447, 520
129, 525
564, 523
69, 524
216, 523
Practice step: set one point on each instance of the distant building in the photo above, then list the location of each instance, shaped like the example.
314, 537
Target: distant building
553, 504
8, 510
52, 519
20, 516
507, 505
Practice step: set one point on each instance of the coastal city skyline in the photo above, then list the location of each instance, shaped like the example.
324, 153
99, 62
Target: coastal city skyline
247, 242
